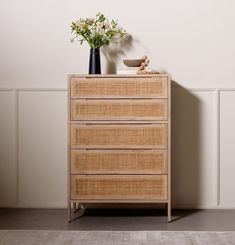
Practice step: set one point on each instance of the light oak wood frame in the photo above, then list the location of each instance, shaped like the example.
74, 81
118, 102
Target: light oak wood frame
169, 152
75, 205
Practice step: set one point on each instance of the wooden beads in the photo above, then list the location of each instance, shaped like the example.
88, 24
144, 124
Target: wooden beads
147, 61
142, 69
147, 72
143, 64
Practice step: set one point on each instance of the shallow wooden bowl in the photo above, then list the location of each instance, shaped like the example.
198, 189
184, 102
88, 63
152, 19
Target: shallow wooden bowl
133, 62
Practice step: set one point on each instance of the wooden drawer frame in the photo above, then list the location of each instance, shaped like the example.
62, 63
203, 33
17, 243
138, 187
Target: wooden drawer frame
118, 161
119, 87
122, 109
106, 136
119, 187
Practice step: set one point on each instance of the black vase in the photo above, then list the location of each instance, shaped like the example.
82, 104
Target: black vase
94, 63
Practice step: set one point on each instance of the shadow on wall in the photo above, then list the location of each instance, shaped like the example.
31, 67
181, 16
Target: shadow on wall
186, 151
113, 53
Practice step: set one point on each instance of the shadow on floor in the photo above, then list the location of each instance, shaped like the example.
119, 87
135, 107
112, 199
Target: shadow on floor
94, 219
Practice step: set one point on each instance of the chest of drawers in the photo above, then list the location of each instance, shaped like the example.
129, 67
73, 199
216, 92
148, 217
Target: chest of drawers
119, 140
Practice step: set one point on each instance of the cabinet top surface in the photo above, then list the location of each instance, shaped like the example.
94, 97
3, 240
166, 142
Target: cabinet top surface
115, 75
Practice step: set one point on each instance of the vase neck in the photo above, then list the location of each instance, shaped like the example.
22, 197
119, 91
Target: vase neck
95, 50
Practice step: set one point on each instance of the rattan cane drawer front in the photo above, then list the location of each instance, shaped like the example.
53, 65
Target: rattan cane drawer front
119, 87
119, 187
119, 162
155, 109
119, 136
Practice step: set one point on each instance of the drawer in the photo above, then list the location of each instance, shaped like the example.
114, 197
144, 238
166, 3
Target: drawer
118, 161
119, 87
155, 109
119, 136
122, 187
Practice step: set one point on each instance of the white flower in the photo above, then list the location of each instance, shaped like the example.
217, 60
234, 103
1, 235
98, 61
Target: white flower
97, 31
99, 25
107, 26
91, 20
78, 23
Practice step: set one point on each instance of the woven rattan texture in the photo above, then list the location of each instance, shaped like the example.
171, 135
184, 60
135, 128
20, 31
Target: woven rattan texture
119, 136
119, 140
126, 87
118, 161
115, 109
116, 187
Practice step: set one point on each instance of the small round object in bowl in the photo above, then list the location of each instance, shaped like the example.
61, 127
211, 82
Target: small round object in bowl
133, 62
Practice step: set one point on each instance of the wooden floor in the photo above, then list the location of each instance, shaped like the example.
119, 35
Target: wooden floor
118, 219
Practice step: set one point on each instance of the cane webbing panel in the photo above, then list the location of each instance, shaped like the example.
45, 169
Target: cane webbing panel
119, 136
117, 161
119, 87
119, 109
119, 187
119, 140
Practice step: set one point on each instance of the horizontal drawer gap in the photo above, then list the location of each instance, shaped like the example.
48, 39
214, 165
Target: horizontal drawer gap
123, 121
121, 174
121, 150
115, 123
116, 148
118, 98
118, 201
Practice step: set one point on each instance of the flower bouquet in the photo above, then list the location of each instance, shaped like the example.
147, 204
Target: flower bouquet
97, 32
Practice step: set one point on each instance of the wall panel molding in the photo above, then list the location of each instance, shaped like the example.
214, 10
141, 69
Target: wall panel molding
42, 147
216, 136
8, 157
226, 147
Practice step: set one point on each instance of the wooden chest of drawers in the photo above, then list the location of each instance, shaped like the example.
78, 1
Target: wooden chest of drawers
119, 140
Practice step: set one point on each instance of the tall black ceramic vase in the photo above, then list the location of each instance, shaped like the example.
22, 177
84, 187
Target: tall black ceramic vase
94, 63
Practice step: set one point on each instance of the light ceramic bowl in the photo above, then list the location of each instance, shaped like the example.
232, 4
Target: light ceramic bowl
133, 62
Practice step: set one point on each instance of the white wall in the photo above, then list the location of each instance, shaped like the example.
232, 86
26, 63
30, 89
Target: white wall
192, 40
